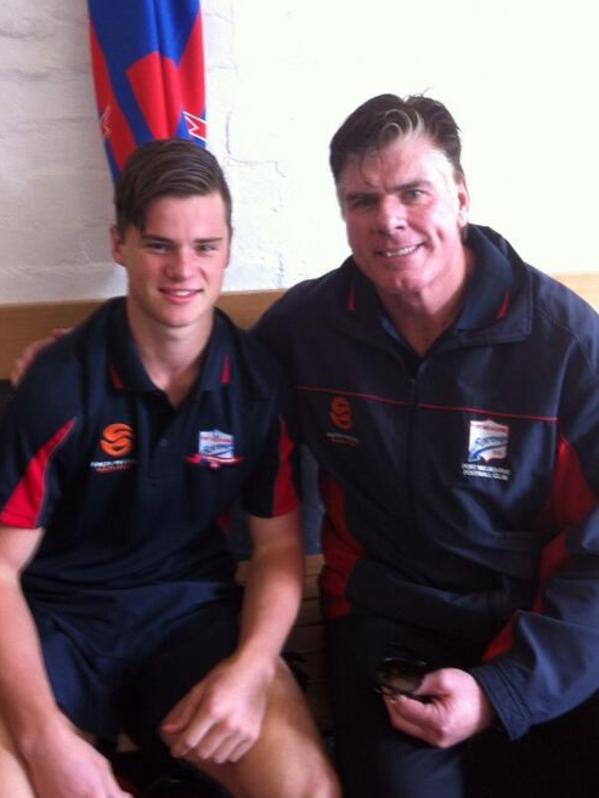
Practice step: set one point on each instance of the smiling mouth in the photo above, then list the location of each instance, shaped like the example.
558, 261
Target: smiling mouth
180, 292
400, 252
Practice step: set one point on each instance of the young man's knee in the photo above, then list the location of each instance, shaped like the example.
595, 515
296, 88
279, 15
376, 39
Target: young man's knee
313, 783
321, 785
309, 777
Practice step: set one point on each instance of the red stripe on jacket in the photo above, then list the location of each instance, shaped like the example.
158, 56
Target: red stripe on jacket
24, 507
570, 501
339, 547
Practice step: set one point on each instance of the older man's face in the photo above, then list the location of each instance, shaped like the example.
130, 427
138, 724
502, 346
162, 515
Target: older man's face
404, 212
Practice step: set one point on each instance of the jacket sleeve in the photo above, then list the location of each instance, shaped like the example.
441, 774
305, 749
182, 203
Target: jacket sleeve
546, 661
271, 330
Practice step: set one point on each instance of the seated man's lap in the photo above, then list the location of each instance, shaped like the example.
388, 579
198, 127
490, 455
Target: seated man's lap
85, 684
186, 654
374, 760
133, 686
377, 761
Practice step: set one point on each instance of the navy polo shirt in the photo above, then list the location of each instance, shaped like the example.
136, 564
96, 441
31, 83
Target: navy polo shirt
133, 492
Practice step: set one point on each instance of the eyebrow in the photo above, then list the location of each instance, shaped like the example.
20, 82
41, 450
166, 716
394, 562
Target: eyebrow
162, 239
418, 183
365, 193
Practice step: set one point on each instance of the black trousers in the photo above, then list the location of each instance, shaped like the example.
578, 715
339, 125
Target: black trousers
560, 758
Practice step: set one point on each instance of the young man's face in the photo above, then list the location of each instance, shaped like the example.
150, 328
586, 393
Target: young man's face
176, 265
404, 212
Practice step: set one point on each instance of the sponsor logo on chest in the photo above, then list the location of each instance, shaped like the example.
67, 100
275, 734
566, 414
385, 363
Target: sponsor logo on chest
487, 450
215, 449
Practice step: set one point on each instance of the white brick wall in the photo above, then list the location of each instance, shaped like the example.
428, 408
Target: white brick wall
281, 75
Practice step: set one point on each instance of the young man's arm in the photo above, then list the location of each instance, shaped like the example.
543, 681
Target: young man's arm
58, 761
221, 718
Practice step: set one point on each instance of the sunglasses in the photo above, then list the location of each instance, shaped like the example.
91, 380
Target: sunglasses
400, 676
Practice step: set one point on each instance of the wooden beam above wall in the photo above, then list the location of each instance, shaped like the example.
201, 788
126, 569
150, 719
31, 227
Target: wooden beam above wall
585, 285
22, 323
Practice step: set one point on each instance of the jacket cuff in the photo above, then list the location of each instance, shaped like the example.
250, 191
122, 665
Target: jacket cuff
510, 709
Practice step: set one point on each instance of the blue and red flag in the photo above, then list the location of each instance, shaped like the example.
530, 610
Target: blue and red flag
148, 64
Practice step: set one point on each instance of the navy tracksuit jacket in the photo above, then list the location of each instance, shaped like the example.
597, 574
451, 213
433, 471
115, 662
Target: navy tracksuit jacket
461, 491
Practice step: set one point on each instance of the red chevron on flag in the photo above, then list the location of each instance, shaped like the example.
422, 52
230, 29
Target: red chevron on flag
113, 121
148, 64
165, 91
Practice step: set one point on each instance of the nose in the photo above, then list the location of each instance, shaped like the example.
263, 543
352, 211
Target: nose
180, 264
391, 214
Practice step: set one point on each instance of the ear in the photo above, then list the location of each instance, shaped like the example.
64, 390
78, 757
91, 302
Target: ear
339, 194
463, 202
229, 241
116, 245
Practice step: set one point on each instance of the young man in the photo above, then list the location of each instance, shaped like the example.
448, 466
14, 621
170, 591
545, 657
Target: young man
123, 448
450, 396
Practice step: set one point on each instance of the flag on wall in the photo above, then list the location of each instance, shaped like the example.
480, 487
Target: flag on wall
148, 65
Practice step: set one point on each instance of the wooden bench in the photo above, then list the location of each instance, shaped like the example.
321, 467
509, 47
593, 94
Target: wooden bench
22, 323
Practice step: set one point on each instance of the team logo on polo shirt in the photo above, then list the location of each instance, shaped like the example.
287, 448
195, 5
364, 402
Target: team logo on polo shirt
215, 449
487, 444
340, 413
117, 442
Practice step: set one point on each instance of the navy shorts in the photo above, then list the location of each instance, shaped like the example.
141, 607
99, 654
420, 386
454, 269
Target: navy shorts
125, 664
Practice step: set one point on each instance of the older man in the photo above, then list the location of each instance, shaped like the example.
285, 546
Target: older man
450, 394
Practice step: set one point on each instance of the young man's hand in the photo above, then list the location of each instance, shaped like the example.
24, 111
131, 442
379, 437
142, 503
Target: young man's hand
455, 708
61, 764
221, 717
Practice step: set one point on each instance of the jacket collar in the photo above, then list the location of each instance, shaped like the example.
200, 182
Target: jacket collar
497, 306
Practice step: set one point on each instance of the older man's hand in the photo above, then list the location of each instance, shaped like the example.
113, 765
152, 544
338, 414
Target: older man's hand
28, 355
454, 708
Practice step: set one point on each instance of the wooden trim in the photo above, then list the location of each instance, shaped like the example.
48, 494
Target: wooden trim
585, 285
22, 323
